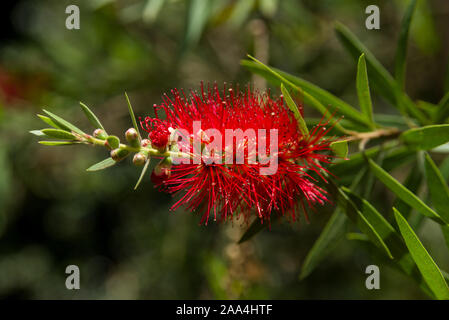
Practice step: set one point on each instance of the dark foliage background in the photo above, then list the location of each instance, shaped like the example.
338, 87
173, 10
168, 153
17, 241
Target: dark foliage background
127, 243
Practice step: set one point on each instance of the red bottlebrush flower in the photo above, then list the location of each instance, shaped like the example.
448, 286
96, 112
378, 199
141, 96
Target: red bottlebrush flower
157, 132
208, 184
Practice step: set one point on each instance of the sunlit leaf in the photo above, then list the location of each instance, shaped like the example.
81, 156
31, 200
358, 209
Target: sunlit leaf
58, 134
63, 123
142, 174
58, 143
427, 266
131, 114
48, 121
308, 90
426, 138
294, 108
38, 133
91, 116
106, 163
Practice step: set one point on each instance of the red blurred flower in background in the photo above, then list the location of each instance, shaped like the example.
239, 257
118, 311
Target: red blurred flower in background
223, 190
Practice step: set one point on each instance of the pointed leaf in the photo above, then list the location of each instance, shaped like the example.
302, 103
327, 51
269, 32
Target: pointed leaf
63, 123
50, 122
142, 174
91, 116
58, 134
427, 266
438, 189
443, 109
331, 233
403, 193
294, 108
321, 98
363, 90
58, 143
426, 138
106, 163
401, 53
131, 114
38, 133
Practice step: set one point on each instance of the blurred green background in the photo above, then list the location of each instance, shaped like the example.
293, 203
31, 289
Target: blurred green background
127, 244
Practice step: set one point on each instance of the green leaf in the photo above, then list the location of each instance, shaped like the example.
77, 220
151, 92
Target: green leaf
443, 109
57, 143
427, 266
196, 20
312, 94
403, 193
106, 163
331, 233
401, 53
294, 108
131, 114
426, 138
38, 133
91, 116
438, 189
151, 10
113, 142
58, 134
363, 90
340, 148
63, 123
381, 78
358, 218
412, 182
48, 121
142, 174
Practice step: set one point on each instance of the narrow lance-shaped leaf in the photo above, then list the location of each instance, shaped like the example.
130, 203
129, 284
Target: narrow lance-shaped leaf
381, 78
402, 258
363, 90
38, 133
403, 193
142, 174
439, 193
131, 114
427, 266
294, 108
106, 163
50, 122
91, 116
426, 138
401, 53
308, 90
443, 109
333, 231
58, 134
358, 218
63, 123
58, 143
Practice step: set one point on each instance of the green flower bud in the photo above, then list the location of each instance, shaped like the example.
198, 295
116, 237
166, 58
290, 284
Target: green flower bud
119, 154
100, 134
132, 137
140, 159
